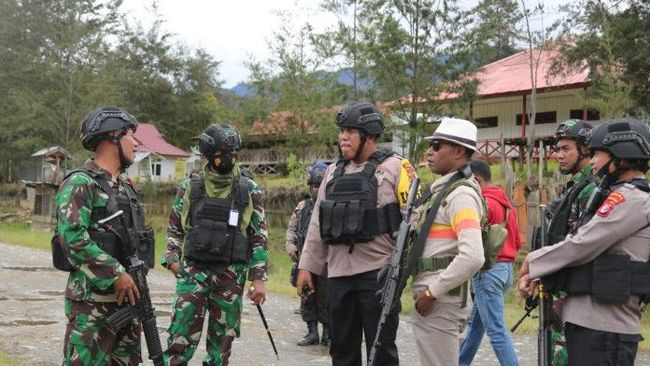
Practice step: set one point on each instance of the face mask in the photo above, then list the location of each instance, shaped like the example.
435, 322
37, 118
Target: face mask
223, 163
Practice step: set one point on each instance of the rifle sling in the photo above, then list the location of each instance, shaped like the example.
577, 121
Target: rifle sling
418, 247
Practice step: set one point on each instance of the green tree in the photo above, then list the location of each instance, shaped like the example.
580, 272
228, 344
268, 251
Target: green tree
612, 39
50, 52
293, 90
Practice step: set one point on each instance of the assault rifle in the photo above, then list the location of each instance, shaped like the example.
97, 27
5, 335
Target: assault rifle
143, 309
394, 280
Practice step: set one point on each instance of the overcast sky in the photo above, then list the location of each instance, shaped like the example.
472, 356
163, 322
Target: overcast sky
234, 30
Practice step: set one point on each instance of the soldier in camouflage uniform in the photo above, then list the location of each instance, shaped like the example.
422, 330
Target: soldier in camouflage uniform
573, 157
98, 283
216, 234
313, 308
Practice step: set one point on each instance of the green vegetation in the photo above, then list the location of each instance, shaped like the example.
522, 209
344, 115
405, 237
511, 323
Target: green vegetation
7, 360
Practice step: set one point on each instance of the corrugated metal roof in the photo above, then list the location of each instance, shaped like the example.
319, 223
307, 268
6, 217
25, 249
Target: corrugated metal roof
511, 75
150, 140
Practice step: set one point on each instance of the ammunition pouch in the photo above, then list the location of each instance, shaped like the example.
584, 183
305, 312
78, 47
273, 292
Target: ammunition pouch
146, 246
349, 212
59, 259
609, 279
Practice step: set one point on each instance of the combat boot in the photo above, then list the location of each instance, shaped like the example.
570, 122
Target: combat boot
312, 336
325, 338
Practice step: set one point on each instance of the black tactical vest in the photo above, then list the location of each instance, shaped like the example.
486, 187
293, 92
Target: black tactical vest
349, 212
122, 237
559, 225
216, 236
610, 278
303, 222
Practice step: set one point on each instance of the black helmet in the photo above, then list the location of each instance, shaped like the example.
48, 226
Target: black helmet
316, 174
100, 121
362, 115
219, 137
574, 129
624, 138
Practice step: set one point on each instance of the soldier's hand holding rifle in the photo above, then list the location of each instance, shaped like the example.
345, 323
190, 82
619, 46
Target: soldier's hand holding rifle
125, 287
526, 286
304, 280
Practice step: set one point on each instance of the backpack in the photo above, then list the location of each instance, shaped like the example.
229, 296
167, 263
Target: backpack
494, 235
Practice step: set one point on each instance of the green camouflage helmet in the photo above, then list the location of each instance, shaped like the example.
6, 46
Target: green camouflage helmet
99, 122
574, 129
219, 137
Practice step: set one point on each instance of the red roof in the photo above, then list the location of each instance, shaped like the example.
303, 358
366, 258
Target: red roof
511, 75
150, 140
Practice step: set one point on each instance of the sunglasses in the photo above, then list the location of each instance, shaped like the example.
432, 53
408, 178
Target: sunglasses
435, 145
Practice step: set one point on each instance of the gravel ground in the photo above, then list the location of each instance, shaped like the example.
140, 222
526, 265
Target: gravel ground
32, 321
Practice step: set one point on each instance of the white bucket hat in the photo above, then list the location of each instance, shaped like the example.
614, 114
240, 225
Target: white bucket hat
458, 131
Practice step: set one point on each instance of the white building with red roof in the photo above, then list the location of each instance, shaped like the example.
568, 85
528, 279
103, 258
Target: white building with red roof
503, 105
157, 159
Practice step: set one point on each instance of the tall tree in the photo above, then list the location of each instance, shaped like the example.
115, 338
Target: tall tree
416, 48
294, 88
612, 39
495, 29
50, 54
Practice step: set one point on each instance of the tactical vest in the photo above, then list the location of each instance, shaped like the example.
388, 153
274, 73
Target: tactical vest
216, 237
349, 212
124, 236
559, 225
610, 278
303, 222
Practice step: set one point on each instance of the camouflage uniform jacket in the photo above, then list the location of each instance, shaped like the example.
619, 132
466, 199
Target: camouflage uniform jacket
97, 271
253, 221
579, 205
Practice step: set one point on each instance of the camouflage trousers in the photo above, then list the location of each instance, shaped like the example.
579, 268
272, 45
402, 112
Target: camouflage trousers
558, 341
89, 341
197, 291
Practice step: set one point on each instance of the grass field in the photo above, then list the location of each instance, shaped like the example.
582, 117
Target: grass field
6, 360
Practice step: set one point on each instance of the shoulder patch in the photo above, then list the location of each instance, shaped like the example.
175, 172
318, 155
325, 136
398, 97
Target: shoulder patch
614, 199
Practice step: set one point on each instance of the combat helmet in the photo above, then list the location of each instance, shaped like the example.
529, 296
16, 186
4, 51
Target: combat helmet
574, 129
219, 137
316, 174
623, 138
361, 115
99, 122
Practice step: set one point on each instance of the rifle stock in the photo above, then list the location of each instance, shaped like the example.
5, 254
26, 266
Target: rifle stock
394, 280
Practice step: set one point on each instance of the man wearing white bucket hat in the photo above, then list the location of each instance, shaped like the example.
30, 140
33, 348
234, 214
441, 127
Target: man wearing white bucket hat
449, 239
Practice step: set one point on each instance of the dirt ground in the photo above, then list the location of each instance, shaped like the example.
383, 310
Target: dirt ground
32, 321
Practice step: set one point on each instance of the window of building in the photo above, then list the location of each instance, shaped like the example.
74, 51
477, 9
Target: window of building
156, 167
592, 114
540, 118
486, 122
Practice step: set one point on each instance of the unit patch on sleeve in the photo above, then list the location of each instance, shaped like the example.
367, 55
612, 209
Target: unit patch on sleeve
614, 199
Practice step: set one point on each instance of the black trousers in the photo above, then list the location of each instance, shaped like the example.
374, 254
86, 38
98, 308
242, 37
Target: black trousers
354, 307
315, 306
589, 347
